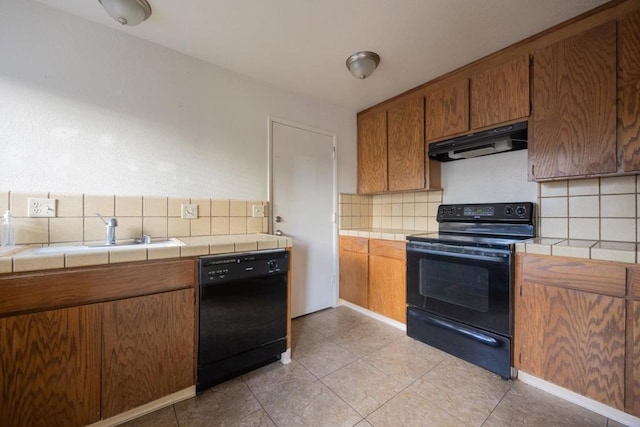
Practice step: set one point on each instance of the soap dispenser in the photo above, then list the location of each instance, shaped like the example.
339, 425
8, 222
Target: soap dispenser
7, 232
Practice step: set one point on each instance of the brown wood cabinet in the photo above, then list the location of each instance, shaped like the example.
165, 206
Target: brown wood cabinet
148, 349
372, 152
632, 400
629, 92
50, 367
406, 147
573, 126
570, 324
387, 279
500, 93
85, 344
354, 270
391, 150
447, 110
372, 275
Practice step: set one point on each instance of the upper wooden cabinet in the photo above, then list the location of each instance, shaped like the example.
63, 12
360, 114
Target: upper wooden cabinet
629, 92
406, 147
391, 150
447, 110
573, 126
372, 152
500, 93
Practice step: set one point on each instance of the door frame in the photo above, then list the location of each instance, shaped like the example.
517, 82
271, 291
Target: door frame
271, 120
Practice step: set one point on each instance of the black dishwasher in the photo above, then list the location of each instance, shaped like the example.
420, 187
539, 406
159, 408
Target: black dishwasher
242, 313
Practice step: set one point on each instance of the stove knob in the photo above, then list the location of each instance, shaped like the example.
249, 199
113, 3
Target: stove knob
273, 265
508, 210
452, 211
443, 211
521, 210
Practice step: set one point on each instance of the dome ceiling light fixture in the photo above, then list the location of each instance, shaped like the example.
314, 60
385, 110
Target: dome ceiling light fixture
361, 64
127, 12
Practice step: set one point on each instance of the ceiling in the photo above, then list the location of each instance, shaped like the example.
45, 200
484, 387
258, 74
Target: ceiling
302, 45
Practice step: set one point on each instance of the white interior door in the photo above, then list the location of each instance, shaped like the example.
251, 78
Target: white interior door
302, 198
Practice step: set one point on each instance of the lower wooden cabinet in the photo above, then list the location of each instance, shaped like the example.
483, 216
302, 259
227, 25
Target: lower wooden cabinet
571, 326
387, 279
372, 275
50, 367
76, 365
354, 270
148, 349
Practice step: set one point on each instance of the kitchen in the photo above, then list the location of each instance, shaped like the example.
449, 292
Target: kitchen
99, 138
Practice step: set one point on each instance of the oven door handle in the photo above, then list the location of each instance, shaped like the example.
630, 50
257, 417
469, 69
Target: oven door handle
476, 336
503, 260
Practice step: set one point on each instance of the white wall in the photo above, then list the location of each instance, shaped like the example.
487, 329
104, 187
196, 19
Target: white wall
87, 109
496, 178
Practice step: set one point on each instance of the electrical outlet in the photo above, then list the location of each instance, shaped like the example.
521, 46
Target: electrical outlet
41, 208
188, 211
258, 211
396, 211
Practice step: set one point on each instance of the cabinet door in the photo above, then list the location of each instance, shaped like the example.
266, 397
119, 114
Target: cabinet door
632, 404
387, 279
354, 270
629, 92
447, 110
573, 338
372, 152
148, 349
406, 146
573, 129
500, 93
50, 368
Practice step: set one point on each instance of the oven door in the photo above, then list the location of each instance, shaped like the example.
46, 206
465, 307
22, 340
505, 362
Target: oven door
468, 284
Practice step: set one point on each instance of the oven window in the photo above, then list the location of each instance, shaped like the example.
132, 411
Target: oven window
459, 284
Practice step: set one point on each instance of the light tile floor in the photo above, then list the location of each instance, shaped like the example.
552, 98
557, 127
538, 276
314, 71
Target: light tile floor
351, 370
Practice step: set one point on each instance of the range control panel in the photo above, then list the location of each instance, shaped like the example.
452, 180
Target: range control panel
521, 212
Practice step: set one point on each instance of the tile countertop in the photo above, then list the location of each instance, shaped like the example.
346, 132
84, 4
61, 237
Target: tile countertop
17, 259
628, 252
381, 233
592, 249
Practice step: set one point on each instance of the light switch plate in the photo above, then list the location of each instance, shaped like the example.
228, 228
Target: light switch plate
188, 211
41, 208
258, 211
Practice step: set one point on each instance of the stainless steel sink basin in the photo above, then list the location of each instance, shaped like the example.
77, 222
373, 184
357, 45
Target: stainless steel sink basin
57, 249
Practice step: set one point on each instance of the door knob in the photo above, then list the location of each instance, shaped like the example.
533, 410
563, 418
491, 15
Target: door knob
278, 233
278, 219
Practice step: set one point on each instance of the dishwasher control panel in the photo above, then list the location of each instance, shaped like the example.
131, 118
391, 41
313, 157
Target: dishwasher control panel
225, 268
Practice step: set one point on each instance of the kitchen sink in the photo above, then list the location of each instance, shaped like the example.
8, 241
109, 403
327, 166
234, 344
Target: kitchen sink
57, 249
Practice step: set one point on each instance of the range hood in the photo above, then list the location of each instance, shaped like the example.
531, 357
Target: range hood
505, 138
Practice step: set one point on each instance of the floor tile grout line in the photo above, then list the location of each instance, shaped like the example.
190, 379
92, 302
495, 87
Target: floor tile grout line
242, 377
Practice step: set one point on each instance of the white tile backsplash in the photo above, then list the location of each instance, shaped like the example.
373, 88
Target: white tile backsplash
618, 206
584, 187
618, 185
584, 207
584, 228
554, 207
553, 189
618, 229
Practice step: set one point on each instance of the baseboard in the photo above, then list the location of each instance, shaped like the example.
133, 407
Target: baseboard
147, 408
373, 315
580, 400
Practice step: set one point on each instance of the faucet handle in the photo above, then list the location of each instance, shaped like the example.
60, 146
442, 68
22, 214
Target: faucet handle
111, 223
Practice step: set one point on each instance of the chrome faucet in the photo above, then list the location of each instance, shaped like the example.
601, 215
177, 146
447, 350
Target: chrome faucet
111, 229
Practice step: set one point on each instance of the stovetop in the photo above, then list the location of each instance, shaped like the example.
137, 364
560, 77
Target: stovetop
497, 225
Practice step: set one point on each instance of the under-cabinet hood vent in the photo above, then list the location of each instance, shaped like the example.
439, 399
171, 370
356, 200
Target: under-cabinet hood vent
502, 139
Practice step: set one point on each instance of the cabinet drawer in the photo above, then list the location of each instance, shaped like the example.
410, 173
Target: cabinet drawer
354, 244
388, 248
574, 273
634, 282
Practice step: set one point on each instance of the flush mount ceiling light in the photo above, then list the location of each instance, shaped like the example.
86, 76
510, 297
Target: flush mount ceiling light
127, 12
362, 64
